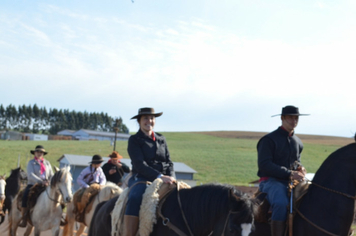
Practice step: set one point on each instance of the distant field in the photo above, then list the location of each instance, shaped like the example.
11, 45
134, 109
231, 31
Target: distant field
224, 157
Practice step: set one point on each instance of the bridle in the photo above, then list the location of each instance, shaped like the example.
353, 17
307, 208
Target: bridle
330, 190
54, 200
167, 222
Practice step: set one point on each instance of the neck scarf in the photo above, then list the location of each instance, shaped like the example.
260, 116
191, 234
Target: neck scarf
43, 168
153, 136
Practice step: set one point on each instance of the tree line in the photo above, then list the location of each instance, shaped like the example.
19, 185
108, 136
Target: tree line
34, 119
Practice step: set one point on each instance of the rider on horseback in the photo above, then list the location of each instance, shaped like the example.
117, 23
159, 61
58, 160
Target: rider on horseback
89, 179
150, 160
39, 171
277, 153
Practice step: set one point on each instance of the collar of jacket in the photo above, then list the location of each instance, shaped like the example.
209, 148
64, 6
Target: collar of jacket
285, 132
142, 134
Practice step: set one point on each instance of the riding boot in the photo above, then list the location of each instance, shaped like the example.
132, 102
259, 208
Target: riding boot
278, 228
23, 222
130, 225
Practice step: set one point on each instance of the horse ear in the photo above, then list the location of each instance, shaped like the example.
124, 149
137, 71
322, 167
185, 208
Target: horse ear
56, 169
232, 193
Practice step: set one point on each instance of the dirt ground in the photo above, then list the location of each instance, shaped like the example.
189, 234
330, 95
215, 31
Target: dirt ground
20, 231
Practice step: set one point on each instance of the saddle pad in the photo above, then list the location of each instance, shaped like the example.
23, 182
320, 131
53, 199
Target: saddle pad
147, 215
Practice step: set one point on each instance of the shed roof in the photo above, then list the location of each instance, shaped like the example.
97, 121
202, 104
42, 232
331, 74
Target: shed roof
102, 133
67, 131
79, 160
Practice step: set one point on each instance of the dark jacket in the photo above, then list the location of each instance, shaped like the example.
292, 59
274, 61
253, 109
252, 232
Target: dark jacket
149, 158
277, 152
117, 176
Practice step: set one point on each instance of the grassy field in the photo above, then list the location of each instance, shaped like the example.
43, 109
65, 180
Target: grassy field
224, 157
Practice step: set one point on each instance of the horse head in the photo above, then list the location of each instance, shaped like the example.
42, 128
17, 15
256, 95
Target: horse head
62, 181
241, 214
2, 188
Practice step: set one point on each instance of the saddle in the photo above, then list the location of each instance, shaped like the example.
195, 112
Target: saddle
34, 193
83, 200
152, 198
264, 211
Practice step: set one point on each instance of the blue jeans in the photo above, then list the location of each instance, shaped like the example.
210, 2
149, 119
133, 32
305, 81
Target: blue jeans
25, 195
277, 196
135, 196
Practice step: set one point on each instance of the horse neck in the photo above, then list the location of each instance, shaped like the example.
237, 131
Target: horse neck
53, 194
2, 186
13, 185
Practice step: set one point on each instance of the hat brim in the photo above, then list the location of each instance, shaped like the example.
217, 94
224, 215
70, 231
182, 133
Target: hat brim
142, 114
291, 115
33, 152
118, 157
95, 162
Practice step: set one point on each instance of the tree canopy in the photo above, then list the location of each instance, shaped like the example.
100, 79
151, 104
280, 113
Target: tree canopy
36, 119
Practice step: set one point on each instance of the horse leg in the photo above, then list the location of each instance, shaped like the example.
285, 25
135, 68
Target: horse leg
68, 228
81, 229
55, 231
28, 231
14, 220
37, 232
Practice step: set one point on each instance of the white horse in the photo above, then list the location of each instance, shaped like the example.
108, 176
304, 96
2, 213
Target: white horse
2, 197
47, 212
107, 192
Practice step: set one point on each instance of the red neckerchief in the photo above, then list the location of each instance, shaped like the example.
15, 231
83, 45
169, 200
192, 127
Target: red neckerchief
43, 168
153, 136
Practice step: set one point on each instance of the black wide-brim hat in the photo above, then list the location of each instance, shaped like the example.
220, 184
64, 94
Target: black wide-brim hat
291, 111
147, 111
96, 159
39, 148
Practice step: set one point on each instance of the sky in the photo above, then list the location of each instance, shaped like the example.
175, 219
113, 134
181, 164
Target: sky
226, 65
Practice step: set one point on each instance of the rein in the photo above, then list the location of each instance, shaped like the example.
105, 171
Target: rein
330, 190
54, 200
334, 191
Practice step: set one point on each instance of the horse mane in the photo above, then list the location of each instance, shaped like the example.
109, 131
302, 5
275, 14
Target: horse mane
207, 202
14, 173
56, 178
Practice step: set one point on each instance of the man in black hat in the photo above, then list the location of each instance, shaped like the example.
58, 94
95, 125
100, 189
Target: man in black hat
278, 153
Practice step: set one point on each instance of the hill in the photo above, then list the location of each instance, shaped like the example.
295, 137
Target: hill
306, 138
222, 156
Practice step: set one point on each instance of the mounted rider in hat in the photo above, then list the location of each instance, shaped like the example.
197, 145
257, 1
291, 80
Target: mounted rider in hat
39, 171
150, 160
90, 180
114, 170
277, 153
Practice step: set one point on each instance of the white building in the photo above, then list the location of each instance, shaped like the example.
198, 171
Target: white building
37, 137
85, 134
78, 163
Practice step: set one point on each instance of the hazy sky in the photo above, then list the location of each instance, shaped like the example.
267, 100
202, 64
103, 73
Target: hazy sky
208, 65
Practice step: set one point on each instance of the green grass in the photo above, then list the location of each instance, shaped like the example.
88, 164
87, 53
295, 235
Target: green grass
216, 159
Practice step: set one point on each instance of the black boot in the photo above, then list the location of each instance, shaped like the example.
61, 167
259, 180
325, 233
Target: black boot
23, 222
278, 228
